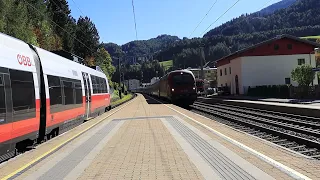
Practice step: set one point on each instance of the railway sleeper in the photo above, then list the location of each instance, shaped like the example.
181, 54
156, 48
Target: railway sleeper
263, 120
309, 150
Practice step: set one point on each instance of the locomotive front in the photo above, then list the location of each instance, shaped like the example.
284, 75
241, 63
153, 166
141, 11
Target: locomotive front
183, 87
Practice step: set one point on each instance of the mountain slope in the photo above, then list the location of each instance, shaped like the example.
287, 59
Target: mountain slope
279, 5
141, 48
301, 13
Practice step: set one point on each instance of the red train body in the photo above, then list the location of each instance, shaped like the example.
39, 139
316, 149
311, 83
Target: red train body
43, 94
176, 86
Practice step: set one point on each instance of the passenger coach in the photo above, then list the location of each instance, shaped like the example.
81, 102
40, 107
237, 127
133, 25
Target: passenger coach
43, 94
177, 86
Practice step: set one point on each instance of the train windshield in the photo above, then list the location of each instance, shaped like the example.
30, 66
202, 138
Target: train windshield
182, 79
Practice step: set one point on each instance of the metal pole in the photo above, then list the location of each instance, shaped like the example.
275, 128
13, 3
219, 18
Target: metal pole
202, 58
119, 78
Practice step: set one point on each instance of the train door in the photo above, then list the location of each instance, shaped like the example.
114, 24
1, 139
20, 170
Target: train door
87, 89
42, 94
5, 111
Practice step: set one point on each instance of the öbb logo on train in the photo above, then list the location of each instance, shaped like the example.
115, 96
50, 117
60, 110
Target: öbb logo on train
23, 60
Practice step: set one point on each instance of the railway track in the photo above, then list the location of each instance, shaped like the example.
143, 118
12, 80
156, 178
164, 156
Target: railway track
294, 132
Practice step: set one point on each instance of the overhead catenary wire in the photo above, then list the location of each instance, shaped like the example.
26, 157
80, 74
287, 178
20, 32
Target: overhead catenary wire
222, 15
203, 18
247, 17
78, 8
134, 18
61, 27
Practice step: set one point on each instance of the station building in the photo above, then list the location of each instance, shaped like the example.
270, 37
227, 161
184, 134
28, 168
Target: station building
267, 63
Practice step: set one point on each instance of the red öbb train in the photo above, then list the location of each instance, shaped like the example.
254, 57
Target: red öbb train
177, 86
43, 94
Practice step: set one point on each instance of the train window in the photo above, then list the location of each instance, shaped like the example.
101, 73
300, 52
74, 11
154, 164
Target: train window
94, 84
101, 85
104, 86
55, 93
2, 101
78, 92
23, 95
68, 92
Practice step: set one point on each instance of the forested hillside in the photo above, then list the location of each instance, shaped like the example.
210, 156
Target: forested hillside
300, 19
49, 25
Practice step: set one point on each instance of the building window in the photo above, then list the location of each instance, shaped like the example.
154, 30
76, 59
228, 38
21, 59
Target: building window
301, 61
276, 47
225, 71
289, 46
220, 72
230, 70
24, 105
287, 80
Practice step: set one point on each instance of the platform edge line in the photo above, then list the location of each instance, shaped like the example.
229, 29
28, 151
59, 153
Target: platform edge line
61, 144
291, 172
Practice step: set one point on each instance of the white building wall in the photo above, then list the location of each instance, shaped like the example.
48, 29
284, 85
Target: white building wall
229, 79
271, 70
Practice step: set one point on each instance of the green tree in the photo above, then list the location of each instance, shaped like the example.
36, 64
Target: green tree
13, 21
104, 61
88, 36
64, 24
303, 75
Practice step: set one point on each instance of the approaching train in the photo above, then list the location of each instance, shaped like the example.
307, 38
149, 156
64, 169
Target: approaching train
177, 86
43, 94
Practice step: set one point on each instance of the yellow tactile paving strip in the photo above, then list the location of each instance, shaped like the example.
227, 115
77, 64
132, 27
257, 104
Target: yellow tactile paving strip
142, 149
19, 161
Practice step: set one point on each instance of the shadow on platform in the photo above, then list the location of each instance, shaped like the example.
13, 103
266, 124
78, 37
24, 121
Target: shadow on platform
151, 100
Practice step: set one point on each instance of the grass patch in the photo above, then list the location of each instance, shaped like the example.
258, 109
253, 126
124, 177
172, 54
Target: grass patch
166, 64
124, 98
310, 37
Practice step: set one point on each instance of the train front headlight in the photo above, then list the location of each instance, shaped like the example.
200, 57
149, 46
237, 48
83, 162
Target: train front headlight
194, 88
172, 90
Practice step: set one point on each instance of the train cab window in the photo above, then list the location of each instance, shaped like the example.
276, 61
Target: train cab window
23, 95
99, 84
2, 101
182, 79
68, 93
103, 85
78, 92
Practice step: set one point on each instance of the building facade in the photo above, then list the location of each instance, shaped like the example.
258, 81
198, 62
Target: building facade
210, 74
132, 84
268, 63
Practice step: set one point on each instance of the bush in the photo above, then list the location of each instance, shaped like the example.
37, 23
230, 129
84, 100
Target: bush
276, 91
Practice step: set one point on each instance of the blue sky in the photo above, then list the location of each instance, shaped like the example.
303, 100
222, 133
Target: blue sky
114, 18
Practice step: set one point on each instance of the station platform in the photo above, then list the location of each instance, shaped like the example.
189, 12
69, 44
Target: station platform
146, 139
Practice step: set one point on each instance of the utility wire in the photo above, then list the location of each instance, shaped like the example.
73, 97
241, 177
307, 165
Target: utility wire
78, 8
135, 22
221, 15
260, 8
60, 27
203, 18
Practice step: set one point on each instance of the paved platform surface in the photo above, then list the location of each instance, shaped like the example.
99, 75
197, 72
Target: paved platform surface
145, 139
